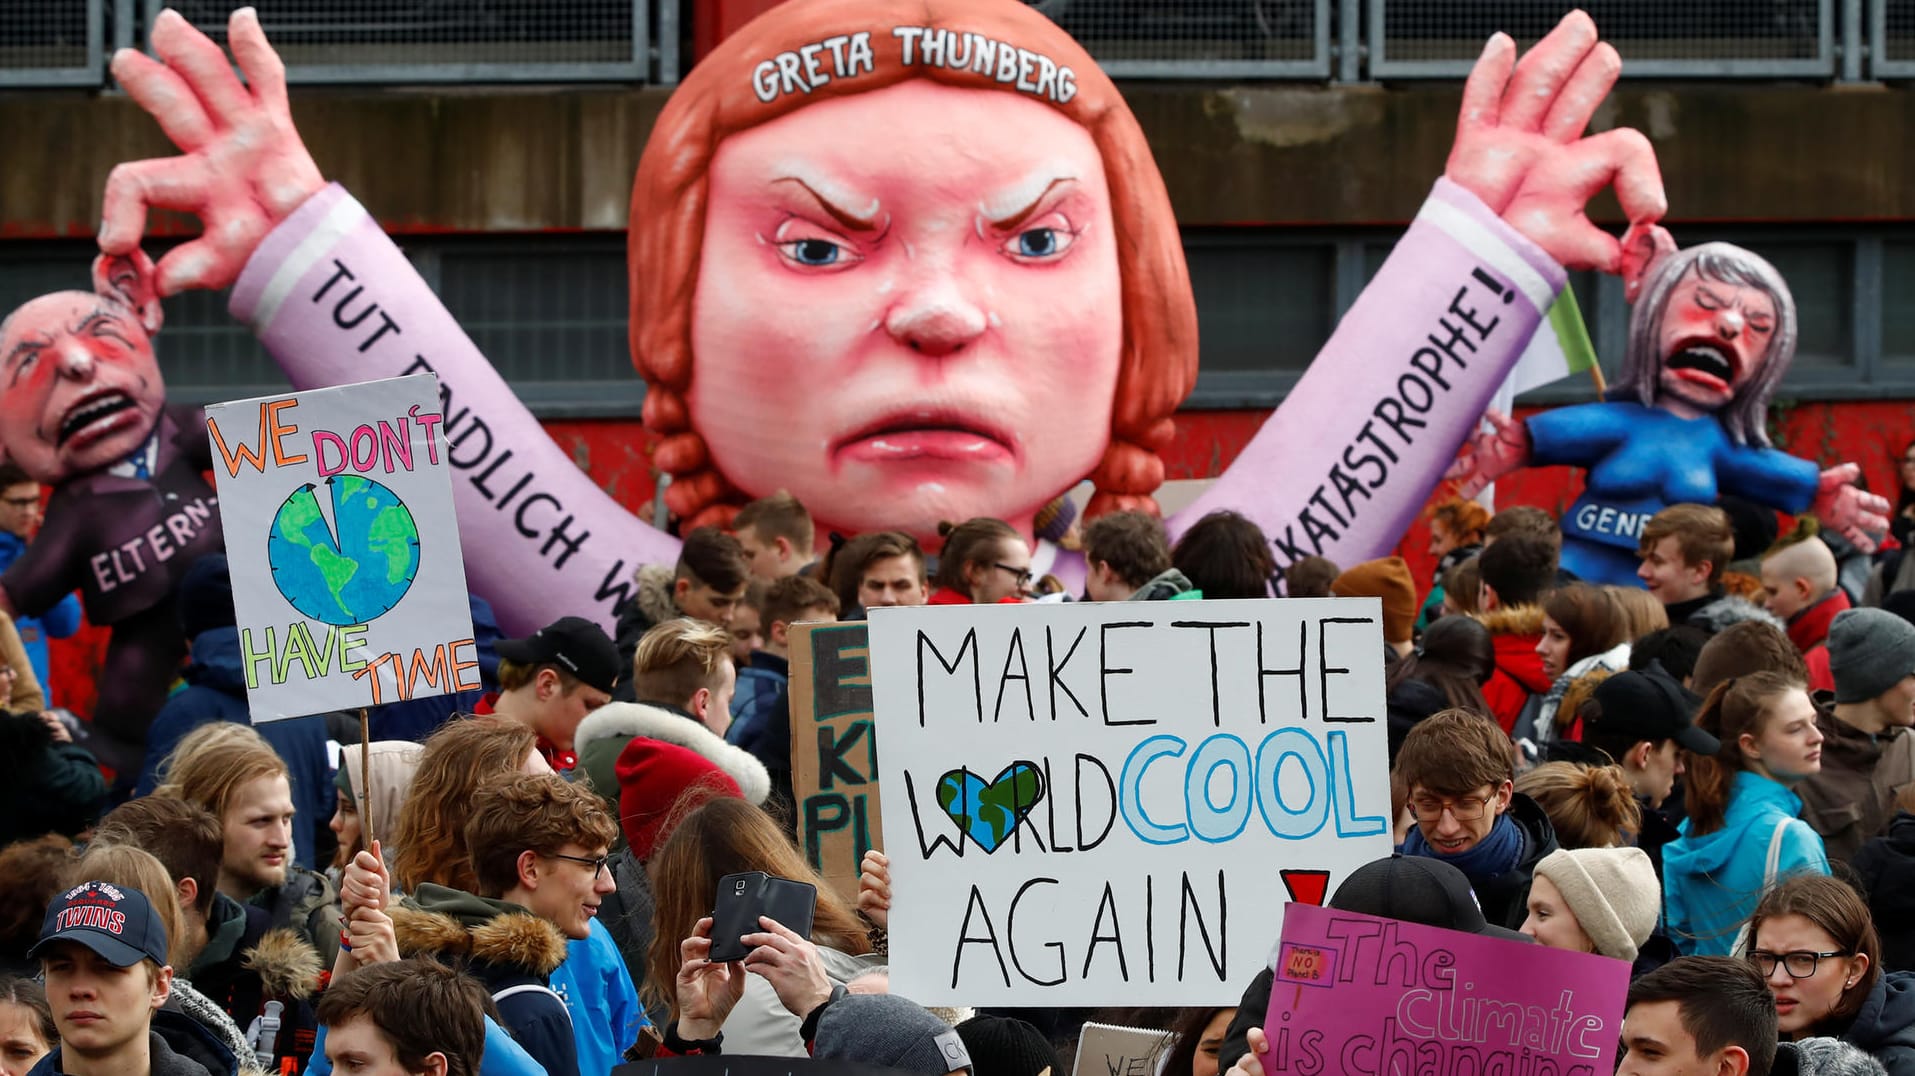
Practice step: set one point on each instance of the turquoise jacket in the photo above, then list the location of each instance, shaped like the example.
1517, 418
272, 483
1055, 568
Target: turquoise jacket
1711, 883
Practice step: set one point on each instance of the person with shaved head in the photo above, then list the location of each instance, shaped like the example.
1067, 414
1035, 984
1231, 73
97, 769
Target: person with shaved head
1799, 581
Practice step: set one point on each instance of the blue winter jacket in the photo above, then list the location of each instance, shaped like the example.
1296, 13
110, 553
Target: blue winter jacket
761, 686
56, 623
503, 1057
1711, 883
598, 992
216, 691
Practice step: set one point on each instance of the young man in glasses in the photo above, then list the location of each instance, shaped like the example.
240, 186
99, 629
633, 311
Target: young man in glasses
1459, 770
539, 847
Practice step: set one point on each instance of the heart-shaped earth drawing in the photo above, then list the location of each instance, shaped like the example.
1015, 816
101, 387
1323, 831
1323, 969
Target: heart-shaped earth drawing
988, 813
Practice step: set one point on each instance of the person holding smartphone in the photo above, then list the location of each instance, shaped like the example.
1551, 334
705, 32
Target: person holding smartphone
789, 972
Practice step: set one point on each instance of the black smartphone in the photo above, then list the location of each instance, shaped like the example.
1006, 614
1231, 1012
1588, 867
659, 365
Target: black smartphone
743, 898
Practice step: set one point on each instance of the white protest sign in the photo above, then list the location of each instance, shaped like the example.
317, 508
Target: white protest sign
1104, 804
348, 581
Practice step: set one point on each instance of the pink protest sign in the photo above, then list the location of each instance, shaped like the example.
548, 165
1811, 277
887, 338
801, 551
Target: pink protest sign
1354, 993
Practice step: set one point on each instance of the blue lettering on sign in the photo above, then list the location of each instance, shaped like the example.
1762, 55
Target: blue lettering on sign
1132, 785
1331, 796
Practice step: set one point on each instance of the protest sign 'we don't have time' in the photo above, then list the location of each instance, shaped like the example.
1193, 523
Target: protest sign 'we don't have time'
1094, 804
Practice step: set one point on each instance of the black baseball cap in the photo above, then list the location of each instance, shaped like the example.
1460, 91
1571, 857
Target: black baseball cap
1418, 889
1650, 705
573, 643
113, 921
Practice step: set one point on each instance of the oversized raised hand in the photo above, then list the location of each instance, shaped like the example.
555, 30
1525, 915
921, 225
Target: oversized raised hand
1520, 145
244, 167
1489, 454
1849, 510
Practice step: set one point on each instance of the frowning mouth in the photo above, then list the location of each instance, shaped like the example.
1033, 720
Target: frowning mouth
97, 410
1704, 362
926, 435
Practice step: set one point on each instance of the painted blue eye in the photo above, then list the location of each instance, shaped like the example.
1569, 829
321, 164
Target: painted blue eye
816, 252
1038, 243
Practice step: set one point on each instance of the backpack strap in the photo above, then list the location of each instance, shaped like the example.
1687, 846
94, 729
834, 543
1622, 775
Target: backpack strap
534, 988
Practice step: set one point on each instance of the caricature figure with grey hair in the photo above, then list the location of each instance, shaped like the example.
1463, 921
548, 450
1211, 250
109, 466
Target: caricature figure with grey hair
1711, 335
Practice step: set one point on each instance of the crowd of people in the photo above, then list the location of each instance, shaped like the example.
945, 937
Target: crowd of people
1709, 778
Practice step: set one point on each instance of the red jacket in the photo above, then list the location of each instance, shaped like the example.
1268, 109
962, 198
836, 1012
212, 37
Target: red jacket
1809, 631
1514, 632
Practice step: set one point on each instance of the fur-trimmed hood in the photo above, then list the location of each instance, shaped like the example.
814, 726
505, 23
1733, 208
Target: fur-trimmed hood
1513, 620
1729, 610
288, 966
652, 592
621, 721
439, 922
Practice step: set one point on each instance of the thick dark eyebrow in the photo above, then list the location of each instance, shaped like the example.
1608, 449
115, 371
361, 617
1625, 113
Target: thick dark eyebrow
99, 314
23, 347
1019, 216
836, 212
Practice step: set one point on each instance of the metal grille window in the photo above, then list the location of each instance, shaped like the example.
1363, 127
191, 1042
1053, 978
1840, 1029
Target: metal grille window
1687, 39
1892, 37
445, 40
550, 312
52, 42
1200, 38
1898, 312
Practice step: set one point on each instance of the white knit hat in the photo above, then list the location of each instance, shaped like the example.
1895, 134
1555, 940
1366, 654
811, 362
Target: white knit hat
1613, 893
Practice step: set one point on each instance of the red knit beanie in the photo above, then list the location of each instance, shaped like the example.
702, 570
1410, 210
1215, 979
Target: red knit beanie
652, 778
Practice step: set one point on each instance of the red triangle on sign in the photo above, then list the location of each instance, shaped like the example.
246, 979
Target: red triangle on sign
1306, 887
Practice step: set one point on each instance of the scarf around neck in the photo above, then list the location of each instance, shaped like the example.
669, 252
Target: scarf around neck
1494, 855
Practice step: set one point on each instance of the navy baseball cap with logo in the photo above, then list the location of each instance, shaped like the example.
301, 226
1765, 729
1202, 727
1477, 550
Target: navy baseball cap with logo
572, 643
113, 921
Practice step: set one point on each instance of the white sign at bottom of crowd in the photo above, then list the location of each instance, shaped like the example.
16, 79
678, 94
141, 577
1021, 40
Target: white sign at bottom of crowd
1101, 804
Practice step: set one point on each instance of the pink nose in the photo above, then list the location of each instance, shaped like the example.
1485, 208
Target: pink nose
935, 319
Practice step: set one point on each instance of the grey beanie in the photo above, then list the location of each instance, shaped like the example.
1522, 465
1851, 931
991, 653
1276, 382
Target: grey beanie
1833, 1057
891, 1031
1869, 652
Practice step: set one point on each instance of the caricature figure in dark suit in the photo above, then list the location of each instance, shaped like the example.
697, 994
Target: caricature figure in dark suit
82, 409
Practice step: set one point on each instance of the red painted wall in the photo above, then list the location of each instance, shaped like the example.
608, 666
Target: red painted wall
617, 454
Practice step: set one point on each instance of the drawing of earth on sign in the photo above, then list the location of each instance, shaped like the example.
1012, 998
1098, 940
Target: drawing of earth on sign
987, 812
352, 567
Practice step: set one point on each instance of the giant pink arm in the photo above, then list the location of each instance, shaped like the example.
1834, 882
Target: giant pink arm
1343, 466
335, 301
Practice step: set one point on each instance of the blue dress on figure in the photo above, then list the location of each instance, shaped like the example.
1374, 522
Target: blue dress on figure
1642, 459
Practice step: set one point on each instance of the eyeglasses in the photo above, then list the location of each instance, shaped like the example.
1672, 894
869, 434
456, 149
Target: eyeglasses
1801, 964
1022, 575
21, 502
1468, 810
597, 863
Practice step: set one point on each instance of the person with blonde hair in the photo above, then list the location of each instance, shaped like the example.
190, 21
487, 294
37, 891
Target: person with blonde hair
230, 771
1641, 612
131, 868
1589, 806
455, 761
683, 676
